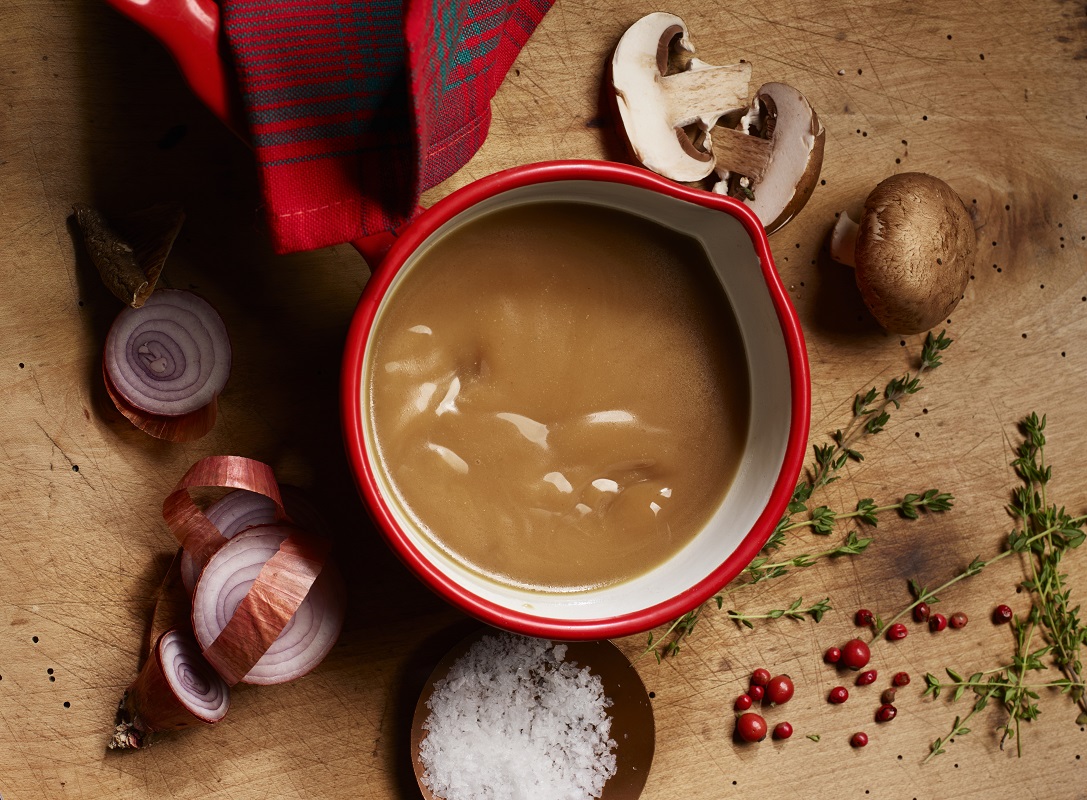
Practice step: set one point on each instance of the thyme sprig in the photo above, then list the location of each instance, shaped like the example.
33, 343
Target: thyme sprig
871, 417
668, 643
794, 611
762, 568
871, 413
1060, 532
1043, 535
1006, 685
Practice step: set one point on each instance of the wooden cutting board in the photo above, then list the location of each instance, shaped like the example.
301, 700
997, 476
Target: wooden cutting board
990, 96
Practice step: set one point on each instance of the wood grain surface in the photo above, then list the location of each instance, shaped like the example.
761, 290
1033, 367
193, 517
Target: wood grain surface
989, 95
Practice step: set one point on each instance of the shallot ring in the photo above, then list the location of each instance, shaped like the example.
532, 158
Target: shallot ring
194, 531
282, 584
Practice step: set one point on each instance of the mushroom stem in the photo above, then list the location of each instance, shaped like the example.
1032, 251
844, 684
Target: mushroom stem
771, 160
742, 153
843, 240
703, 92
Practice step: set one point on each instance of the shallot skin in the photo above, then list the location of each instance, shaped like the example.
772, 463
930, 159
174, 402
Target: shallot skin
260, 644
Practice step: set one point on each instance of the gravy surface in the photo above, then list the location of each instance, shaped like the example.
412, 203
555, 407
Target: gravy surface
559, 395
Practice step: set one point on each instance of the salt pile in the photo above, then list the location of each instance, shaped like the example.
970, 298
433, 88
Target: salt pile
513, 721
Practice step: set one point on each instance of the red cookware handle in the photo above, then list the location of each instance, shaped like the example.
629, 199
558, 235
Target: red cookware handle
189, 29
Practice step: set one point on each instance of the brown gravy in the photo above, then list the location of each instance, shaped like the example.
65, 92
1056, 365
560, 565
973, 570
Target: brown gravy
559, 394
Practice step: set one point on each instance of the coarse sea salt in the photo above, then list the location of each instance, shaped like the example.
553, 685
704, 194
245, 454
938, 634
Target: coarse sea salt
513, 720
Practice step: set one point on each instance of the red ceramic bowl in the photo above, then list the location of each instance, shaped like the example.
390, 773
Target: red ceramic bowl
737, 246
738, 249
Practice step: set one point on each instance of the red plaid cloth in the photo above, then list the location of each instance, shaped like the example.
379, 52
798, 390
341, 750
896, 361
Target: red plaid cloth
356, 107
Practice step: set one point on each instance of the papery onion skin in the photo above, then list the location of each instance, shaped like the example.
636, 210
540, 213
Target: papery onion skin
231, 514
176, 689
171, 357
194, 531
268, 606
243, 509
185, 428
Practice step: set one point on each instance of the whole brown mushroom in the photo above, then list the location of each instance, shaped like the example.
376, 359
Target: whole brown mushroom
913, 251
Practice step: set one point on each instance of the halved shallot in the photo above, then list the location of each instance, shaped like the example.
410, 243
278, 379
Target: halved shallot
268, 605
165, 364
176, 689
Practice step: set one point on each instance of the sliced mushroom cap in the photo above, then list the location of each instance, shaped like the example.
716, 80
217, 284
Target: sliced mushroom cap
655, 106
915, 247
777, 188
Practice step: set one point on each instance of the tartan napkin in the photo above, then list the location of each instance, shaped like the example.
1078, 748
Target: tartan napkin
357, 106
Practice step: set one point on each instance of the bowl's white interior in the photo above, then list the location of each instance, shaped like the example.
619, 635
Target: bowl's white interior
733, 256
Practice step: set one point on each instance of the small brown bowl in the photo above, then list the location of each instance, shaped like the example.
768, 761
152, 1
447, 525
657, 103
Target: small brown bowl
631, 712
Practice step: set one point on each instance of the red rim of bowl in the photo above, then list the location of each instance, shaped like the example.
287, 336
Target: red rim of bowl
353, 412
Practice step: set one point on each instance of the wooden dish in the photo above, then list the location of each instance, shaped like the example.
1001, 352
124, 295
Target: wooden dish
631, 712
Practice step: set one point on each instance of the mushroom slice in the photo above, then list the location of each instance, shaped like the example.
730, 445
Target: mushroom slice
772, 161
913, 251
655, 106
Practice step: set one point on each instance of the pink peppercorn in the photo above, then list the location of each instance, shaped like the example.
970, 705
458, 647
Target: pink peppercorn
838, 695
958, 620
863, 617
855, 654
783, 730
921, 612
901, 679
897, 632
937, 622
859, 739
867, 677
756, 692
1002, 614
886, 713
833, 655
743, 702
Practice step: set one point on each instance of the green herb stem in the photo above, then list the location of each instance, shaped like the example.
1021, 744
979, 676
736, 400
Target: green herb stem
794, 611
976, 566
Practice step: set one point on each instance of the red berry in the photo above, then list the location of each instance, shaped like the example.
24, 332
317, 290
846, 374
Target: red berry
959, 620
783, 730
867, 677
886, 712
855, 654
921, 612
760, 677
901, 679
897, 632
833, 655
888, 696
1002, 614
780, 689
751, 727
860, 739
937, 622
756, 692
863, 617
743, 702
839, 694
